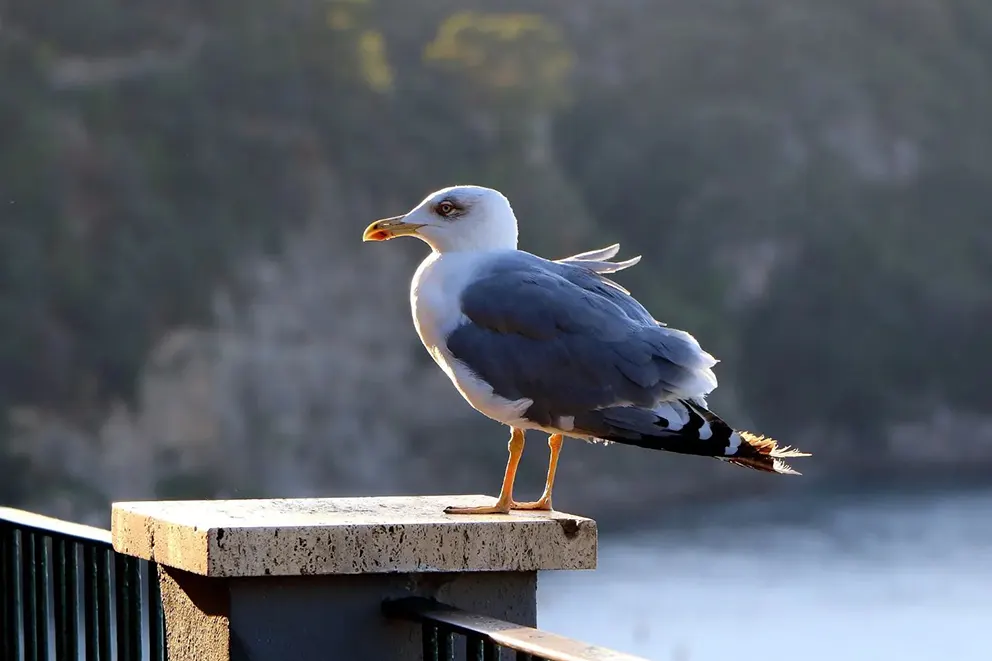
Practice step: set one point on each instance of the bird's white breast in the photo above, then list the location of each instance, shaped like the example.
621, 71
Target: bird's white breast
435, 295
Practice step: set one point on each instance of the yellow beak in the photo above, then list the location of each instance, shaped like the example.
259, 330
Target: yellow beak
388, 228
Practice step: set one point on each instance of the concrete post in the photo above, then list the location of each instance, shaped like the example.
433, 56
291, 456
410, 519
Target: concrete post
304, 579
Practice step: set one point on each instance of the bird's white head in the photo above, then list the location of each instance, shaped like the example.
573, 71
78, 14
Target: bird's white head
456, 219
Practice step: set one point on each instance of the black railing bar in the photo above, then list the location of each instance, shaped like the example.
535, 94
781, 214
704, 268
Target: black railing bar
436, 643
428, 637
444, 644
91, 602
123, 601
128, 601
46, 596
479, 648
14, 592
474, 648
46, 525
506, 634
64, 599
108, 612
29, 603
78, 578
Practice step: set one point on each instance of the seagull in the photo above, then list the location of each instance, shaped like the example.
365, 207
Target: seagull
556, 346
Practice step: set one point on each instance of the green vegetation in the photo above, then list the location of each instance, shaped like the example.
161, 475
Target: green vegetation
810, 184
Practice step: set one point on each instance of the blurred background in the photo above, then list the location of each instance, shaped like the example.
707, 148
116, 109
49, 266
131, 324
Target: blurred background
187, 310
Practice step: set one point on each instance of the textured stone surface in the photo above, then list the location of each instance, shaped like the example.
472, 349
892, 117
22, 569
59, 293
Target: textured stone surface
349, 536
197, 616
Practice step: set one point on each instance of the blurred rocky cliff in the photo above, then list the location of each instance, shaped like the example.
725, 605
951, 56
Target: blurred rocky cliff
186, 308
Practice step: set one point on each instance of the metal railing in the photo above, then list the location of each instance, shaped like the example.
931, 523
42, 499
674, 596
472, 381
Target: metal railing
65, 594
485, 638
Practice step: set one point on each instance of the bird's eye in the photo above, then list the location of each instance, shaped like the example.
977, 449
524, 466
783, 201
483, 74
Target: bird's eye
445, 208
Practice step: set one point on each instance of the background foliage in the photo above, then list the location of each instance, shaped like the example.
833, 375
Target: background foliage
185, 307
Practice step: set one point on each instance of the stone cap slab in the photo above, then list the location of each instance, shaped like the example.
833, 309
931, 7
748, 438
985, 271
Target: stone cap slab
305, 536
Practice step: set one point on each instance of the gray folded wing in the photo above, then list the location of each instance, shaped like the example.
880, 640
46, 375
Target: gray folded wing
571, 341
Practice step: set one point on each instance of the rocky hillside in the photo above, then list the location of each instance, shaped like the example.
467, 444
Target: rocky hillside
186, 308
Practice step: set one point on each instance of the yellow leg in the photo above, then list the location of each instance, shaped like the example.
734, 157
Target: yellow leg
544, 503
505, 502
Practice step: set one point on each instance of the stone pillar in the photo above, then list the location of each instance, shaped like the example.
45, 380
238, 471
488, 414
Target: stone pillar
304, 579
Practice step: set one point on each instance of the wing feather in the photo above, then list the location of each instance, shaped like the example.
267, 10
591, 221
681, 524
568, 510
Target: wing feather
562, 336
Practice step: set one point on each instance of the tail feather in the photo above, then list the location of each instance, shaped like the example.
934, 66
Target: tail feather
688, 427
764, 454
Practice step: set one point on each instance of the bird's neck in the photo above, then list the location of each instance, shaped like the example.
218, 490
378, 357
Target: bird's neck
493, 240
468, 248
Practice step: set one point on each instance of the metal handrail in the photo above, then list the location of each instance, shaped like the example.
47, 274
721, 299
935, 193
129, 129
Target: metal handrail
486, 636
65, 591
48, 526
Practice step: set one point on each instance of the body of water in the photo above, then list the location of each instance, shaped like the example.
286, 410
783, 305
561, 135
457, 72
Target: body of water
902, 578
